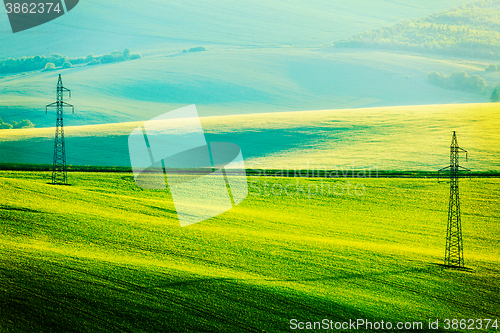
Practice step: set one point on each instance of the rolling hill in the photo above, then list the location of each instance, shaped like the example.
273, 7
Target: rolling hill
105, 255
392, 138
469, 30
290, 67
224, 81
100, 27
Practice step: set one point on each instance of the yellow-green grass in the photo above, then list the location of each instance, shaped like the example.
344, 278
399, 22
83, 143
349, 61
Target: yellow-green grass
389, 138
104, 255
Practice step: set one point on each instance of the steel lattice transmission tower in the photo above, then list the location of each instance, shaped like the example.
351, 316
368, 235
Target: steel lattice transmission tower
454, 253
59, 171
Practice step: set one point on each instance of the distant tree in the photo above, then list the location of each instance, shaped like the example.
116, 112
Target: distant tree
126, 53
24, 124
5, 126
115, 56
107, 58
475, 83
90, 57
49, 66
93, 62
67, 65
495, 96
458, 81
58, 59
436, 78
76, 61
197, 49
134, 56
492, 68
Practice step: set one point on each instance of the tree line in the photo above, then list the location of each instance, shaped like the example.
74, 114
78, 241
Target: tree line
469, 30
55, 60
464, 82
14, 124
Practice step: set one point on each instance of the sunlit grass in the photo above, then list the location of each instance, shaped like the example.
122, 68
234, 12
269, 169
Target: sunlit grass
103, 254
388, 138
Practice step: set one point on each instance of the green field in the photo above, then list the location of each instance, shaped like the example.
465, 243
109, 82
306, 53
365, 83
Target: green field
305, 87
105, 255
273, 80
96, 26
261, 57
390, 138
263, 63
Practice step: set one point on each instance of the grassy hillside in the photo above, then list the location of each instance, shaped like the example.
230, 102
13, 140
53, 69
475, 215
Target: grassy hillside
104, 255
469, 30
100, 27
234, 81
261, 57
287, 68
396, 138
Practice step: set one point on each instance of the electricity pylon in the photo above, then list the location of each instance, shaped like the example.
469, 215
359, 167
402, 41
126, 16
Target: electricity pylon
454, 253
59, 170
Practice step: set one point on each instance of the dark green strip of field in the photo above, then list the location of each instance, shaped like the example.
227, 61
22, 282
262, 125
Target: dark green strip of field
291, 172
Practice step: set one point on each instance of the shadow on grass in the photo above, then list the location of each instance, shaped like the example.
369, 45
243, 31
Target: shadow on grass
451, 267
75, 295
20, 209
44, 296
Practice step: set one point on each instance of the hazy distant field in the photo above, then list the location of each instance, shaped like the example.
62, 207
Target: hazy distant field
105, 255
226, 80
96, 26
277, 58
395, 138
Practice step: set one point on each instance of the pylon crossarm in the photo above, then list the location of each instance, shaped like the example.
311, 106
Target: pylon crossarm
67, 90
449, 166
465, 169
63, 104
50, 106
461, 150
442, 169
68, 105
